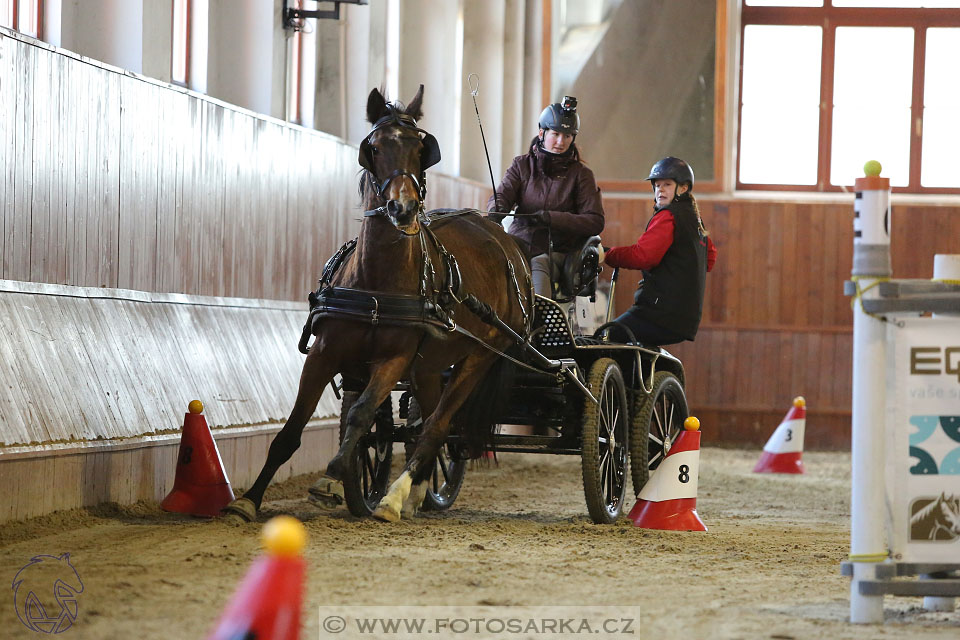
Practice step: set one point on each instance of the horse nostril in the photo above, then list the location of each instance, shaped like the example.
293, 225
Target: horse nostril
411, 207
394, 207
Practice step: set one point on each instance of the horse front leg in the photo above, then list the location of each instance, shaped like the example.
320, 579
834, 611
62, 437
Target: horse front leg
328, 490
436, 427
317, 373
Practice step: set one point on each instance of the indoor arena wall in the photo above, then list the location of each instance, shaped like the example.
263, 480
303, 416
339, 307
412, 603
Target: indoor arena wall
158, 246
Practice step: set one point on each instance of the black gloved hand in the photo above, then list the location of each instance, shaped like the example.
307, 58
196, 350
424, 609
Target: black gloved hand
540, 218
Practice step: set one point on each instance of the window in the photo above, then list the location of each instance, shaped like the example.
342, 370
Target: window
826, 85
302, 67
180, 42
24, 16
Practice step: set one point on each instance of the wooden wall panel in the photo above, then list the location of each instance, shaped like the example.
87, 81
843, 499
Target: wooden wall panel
776, 323
112, 180
59, 477
17, 257
139, 174
8, 105
90, 364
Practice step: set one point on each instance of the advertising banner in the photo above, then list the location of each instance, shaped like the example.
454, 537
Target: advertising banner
923, 439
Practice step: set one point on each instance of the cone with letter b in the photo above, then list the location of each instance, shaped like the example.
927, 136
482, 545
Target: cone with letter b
669, 499
784, 449
200, 487
267, 603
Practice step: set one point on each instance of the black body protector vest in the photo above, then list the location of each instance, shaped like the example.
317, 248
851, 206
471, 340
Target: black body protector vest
671, 294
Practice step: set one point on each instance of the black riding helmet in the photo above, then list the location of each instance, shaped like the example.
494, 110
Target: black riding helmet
674, 169
561, 116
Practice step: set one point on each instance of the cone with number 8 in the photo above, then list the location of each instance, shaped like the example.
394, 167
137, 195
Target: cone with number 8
784, 449
669, 499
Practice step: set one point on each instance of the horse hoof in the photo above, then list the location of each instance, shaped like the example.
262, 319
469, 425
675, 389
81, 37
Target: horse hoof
232, 519
324, 502
326, 493
242, 508
386, 514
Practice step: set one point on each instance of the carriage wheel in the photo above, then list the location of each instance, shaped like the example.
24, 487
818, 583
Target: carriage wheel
660, 419
446, 479
639, 442
368, 466
604, 442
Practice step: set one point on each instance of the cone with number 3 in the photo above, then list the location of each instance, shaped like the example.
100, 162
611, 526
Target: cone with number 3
784, 449
669, 499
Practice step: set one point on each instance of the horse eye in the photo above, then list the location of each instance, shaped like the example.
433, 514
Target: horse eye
374, 150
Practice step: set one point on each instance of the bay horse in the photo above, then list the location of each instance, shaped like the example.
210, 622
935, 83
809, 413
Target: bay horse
404, 303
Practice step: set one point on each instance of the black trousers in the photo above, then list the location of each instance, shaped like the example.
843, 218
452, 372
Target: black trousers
645, 331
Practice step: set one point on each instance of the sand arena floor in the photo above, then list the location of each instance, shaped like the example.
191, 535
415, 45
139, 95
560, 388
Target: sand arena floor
769, 566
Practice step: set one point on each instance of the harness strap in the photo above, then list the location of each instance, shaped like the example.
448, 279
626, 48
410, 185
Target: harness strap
330, 268
392, 309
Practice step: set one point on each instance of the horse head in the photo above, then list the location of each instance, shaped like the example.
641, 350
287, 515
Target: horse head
395, 155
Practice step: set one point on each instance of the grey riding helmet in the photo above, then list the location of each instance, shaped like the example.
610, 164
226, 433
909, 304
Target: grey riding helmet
561, 116
674, 169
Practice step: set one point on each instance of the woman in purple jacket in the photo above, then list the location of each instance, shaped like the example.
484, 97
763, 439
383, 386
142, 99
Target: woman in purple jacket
553, 194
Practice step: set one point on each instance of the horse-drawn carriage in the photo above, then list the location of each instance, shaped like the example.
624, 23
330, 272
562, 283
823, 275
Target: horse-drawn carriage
440, 305
617, 406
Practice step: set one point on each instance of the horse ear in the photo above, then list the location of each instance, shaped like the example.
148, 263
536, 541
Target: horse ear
376, 105
415, 108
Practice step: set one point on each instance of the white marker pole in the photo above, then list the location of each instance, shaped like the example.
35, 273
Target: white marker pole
871, 263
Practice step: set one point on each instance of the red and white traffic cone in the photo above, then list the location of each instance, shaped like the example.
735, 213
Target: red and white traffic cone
669, 499
201, 487
784, 449
268, 601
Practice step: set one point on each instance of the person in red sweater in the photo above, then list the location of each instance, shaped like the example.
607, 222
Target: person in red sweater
674, 253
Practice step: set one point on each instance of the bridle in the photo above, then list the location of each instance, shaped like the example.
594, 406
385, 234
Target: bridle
429, 156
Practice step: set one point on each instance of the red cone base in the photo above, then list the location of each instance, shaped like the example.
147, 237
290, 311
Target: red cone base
780, 463
201, 487
267, 602
676, 515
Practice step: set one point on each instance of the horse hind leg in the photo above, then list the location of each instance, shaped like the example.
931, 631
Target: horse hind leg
316, 375
391, 505
414, 500
435, 430
429, 389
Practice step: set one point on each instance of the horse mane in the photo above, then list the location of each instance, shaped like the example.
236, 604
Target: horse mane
366, 181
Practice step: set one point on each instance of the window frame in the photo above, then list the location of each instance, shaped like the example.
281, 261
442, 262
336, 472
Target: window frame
828, 18
15, 22
188, 44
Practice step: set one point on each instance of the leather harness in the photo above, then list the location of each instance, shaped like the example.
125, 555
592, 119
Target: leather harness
433, 306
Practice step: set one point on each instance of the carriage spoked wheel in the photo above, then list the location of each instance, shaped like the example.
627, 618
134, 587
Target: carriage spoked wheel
446, 478
655, 425
368, 465
604, 448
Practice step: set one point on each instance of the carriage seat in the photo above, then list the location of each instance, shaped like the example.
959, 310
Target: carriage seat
578, 277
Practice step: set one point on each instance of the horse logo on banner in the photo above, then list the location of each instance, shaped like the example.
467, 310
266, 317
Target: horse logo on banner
935, 519
45, 592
